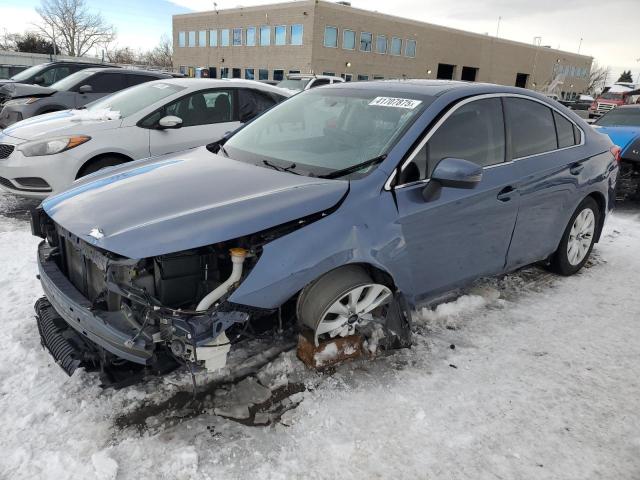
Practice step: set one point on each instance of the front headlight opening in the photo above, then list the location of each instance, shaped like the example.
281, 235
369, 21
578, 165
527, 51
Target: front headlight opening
21, 101
51, 146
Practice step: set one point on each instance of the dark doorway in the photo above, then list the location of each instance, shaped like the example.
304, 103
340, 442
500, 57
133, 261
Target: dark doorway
236, 72
469, 74
445, 72
213, 72
521, 80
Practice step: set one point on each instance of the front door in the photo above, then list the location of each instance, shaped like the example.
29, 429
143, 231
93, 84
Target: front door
206, 117
459, 234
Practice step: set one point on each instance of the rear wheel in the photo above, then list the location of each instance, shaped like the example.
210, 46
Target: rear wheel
99, 164
578, 239
341, 300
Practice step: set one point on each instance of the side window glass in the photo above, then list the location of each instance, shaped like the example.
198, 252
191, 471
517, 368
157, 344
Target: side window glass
105, 82
319, 82
532, 127
202, 108
52, 75
565, 131
474, 132
253, 103
138, 79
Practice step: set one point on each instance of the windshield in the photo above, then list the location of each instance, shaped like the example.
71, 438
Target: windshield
71, 81
132, 100
611, 96
629, 117
323, 131
26, 74
294, 84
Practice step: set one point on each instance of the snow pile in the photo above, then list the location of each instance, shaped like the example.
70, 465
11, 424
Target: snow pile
101, 115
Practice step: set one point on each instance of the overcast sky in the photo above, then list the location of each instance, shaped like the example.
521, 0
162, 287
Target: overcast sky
609, 29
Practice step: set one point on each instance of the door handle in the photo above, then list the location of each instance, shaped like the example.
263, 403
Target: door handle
576, 168
505, 194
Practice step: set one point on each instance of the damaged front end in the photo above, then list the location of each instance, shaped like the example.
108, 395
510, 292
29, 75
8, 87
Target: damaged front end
101, 308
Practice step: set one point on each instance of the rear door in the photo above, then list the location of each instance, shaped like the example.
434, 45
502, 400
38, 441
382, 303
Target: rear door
459, 234
206, 116
543, 147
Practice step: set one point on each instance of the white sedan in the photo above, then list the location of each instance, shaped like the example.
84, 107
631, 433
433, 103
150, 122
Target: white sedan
45, 154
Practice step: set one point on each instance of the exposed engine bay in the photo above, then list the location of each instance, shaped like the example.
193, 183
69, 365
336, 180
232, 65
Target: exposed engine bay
171, 305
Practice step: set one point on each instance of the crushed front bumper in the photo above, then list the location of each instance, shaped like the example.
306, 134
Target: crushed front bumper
75, 309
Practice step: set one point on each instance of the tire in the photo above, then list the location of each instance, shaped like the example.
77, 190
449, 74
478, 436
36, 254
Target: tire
317, 298
565, 260
95, 165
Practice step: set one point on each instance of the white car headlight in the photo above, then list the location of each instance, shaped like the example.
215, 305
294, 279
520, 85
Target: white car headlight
51, 146
21, 101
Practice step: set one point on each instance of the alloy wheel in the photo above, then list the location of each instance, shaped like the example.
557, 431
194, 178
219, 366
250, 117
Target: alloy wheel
581, 236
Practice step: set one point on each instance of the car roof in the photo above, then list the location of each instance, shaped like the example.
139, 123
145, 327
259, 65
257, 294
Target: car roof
635, 106
127, 70
304, 76
199, 83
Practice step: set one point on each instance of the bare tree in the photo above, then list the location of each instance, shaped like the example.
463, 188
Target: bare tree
124, 55
161, 55
8, 41
598, 77
70, 24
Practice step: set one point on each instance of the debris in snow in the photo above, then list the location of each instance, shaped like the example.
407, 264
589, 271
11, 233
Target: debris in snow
93, 115
452, 365
106, 468
328, 352
239, 412
452, 346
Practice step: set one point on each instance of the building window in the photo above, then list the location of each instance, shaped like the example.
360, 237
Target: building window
224, 72
213, 38
297, 32
265, 36
236, 73
363, 77
381, 44
182, 39
445, 71
396, 46
224, 37
251, 37
278, 75
281, 35
347, 77
202, 38
469, 74
237, 37
183, 69
249, 73
263, 74
294, 71
365, 41
192, 39
410, 49
348, 39
331, 37
378, 77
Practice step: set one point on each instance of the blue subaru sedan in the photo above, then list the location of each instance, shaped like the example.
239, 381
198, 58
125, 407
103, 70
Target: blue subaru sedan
344, 208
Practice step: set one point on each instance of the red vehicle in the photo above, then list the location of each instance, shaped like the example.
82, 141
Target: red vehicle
618, 94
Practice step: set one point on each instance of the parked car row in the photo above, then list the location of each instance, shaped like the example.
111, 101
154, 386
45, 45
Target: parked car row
347, 205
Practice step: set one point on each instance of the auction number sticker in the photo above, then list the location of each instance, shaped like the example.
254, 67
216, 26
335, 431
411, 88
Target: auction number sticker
395, 102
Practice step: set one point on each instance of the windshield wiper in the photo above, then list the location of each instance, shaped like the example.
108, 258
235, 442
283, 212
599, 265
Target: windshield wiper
354, 168
288, 169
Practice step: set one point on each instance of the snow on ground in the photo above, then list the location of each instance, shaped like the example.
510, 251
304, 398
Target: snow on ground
528, 376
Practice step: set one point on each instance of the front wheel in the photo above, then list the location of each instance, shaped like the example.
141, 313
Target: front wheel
578, 239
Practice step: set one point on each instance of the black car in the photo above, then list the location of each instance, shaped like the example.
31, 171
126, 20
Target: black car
45, 74
74, 91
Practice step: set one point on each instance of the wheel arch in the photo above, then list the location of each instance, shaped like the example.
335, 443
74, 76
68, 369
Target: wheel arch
600, 200
98, 157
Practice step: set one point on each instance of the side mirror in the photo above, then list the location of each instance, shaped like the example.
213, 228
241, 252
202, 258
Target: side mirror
169, 121
457, 173
85, 89
39, 80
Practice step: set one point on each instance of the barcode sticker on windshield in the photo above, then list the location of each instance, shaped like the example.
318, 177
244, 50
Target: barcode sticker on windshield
395, 102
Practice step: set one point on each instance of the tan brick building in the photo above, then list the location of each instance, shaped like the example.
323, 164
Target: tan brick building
267, 42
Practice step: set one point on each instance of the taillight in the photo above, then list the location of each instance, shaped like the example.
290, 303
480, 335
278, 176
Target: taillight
616, 151
594, 106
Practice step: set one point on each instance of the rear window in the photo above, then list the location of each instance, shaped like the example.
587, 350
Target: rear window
532, 127
629, 117
294, 84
